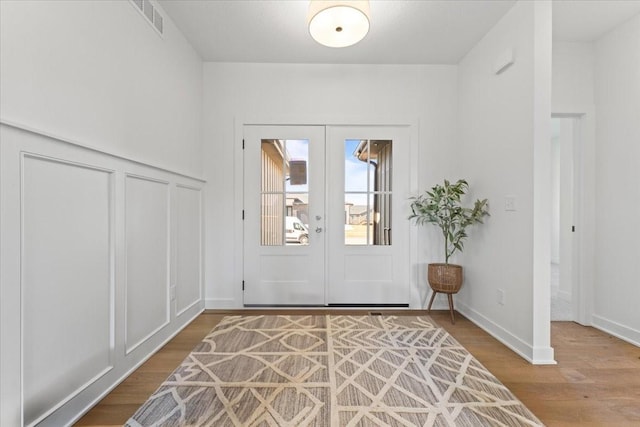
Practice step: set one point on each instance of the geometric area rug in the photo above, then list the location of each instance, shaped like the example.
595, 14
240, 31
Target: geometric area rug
331, 370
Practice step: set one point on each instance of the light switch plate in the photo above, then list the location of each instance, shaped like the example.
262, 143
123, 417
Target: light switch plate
509, 203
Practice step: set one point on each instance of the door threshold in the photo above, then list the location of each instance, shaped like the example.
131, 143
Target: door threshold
284, 305
359, 305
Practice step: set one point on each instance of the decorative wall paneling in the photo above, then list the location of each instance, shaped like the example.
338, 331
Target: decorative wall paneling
188, 246
147, 237
101, 262
66, 286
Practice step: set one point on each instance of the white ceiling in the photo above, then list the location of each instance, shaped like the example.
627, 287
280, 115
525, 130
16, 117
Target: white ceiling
402, 31
585, 21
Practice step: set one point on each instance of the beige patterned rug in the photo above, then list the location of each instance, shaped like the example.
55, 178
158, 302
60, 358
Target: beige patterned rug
331, 370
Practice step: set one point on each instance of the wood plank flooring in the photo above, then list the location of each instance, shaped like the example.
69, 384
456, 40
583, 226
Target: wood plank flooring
595, 383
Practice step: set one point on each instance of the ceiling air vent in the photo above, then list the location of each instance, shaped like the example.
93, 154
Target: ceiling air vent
151, 14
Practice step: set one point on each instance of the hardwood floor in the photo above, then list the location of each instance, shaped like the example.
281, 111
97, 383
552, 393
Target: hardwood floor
595, 383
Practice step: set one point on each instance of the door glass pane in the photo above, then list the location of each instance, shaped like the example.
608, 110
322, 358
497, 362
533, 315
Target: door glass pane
297, 221
356, 217
297, 151
272, 165
297, 185
272, 220
284, 191
355, 165
381, 224
368, 178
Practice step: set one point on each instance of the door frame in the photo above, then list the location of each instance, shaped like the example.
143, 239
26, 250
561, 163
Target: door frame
319, 120
583, 248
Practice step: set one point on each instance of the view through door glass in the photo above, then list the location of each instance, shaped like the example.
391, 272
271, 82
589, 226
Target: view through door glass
285, 192
367, 192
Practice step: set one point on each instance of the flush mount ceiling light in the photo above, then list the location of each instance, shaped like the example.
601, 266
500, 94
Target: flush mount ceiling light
338, 23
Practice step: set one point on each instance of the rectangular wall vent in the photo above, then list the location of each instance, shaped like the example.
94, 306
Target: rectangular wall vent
157, 20
148, 10
151, 14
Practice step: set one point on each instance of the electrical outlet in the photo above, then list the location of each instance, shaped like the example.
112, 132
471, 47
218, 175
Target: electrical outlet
500, 295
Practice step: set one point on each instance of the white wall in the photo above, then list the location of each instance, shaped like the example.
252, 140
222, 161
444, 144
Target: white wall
97, 73
617, 95
572, 78
573, 93
573, 97
503, 146
93, 245
314, 94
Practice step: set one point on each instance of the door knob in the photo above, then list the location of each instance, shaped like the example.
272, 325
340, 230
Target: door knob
318, 229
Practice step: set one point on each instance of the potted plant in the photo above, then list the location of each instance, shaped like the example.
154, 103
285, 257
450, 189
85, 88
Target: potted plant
442, 206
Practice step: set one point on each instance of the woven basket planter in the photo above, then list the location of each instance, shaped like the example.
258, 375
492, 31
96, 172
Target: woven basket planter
446, 278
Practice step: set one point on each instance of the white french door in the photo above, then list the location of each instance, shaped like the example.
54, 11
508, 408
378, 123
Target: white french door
324, 215
284, 187
367, 226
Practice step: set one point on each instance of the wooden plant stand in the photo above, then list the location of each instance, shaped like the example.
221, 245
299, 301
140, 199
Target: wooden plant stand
444, 279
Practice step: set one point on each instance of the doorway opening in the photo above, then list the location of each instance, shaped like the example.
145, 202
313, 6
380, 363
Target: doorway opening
564, 202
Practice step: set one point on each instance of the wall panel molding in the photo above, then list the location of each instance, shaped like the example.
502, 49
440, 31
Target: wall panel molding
68, 204
68, 216
189, 222
147, 233
113, 155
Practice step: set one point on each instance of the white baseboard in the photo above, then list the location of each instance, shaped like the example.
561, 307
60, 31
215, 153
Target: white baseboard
535, 356
133, 368
217, 303
616, 329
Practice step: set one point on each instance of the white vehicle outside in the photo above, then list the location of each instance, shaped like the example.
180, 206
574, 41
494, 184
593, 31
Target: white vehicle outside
296, 231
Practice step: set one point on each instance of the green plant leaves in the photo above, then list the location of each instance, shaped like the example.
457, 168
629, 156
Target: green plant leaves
442, 206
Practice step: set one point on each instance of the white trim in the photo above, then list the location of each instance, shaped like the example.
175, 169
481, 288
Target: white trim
75, 143
535, 356
24, 155
71, 396
221, 303
129, 349
616, 329
16, 144
193, 304
238, 229
200, 254
584, 208
124, 376
541, 168
189, 187
145, 178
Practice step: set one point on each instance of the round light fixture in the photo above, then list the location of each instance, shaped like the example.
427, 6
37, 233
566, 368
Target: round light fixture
338, 23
